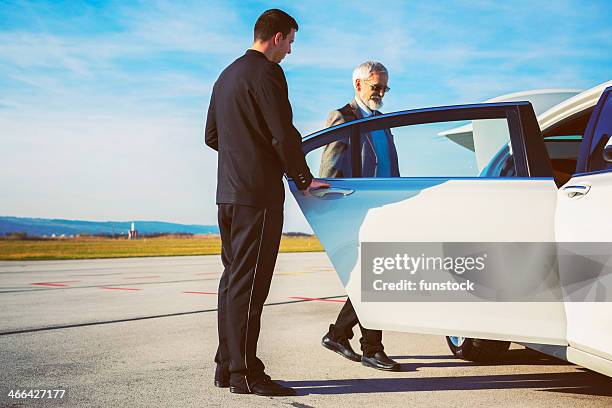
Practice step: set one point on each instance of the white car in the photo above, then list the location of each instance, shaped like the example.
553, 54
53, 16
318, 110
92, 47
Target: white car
523, 179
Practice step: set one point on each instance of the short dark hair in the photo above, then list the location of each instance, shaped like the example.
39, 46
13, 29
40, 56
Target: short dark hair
273, 21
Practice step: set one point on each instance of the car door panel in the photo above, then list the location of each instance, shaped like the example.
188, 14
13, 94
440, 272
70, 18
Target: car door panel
583, 215
443, 209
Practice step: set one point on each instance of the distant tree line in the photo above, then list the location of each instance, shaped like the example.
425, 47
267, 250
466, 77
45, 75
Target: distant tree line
26, 237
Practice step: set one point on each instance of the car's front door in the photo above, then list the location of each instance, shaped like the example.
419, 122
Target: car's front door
583, 216
437, 197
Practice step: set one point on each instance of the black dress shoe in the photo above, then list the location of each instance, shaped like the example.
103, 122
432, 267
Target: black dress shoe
266, 388
342, 347
380, 361
221, 377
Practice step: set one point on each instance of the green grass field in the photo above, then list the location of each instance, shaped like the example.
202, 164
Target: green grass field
90, 248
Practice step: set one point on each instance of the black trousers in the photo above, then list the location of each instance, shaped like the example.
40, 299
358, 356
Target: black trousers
371, 340
250, 238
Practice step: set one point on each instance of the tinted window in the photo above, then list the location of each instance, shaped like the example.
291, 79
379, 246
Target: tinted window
478, 148
332, 160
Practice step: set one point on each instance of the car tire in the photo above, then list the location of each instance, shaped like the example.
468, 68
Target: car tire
480, 350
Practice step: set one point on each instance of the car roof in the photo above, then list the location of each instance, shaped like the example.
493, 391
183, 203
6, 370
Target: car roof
550, 105
541, 100
569, 107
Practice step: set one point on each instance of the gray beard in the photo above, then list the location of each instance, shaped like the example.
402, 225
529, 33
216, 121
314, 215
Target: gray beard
374, 105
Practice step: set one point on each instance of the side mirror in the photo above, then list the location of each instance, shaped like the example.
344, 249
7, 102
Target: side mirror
607, 153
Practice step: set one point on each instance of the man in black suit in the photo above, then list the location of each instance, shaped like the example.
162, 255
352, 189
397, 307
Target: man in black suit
249, 123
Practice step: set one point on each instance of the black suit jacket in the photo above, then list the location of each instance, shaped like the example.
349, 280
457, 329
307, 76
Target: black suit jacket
250, 124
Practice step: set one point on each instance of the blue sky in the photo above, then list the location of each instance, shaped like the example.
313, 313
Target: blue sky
102, 103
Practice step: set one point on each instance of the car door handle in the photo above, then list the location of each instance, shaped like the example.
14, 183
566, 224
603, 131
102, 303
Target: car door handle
323, 192
576, 191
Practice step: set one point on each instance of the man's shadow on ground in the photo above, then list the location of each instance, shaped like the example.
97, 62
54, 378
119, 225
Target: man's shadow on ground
582, 381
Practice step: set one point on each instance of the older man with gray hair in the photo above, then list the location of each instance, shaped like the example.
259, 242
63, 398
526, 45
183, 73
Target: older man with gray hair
378, 153
378, 159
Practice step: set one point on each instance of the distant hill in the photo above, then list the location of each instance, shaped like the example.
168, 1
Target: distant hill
42, 226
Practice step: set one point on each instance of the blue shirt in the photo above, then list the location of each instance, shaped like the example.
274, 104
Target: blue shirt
381, 145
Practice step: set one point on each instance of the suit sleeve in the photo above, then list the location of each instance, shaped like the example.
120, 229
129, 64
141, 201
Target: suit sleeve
210, 130
274, 102
334, 161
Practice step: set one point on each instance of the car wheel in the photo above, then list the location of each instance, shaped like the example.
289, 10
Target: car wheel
466, 348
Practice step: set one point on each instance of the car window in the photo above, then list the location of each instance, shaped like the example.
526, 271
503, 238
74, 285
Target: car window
563, 147
440, 149
332, 160
563, 152
601, 138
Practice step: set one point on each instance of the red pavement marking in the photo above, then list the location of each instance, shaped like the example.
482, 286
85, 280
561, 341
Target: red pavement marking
63, 283
319, 299
143, 277
109, 288
201, 293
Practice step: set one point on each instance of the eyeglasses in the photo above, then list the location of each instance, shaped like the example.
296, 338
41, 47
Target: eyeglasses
377, 88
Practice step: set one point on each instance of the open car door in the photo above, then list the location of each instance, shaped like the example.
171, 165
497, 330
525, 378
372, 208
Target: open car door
583, 223
438, 197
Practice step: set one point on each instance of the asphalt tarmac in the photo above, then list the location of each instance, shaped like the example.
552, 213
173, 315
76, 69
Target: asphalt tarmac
141, 332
